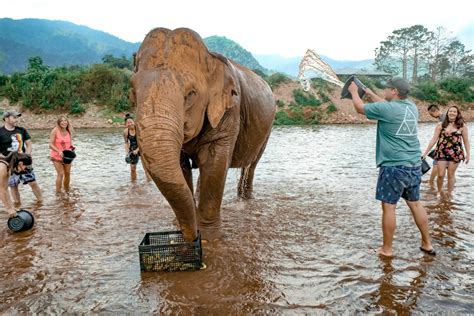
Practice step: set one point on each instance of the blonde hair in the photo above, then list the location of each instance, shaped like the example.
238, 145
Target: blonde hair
69, 128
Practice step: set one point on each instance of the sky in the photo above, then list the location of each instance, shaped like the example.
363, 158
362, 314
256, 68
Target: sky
339, 29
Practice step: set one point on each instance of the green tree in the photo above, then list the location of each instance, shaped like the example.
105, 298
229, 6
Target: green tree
459, 60
437, 43
276, 79
420, 38
121, 62
394, 52
402, 47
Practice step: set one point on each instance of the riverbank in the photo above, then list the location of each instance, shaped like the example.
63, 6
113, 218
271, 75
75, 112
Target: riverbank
98, 117
345, 113
94, 117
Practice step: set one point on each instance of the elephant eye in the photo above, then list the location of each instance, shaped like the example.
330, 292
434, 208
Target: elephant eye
190, 97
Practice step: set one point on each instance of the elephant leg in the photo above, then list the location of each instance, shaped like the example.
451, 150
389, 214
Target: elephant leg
245, 188
187, 171
188, 176
211, 188
196, 193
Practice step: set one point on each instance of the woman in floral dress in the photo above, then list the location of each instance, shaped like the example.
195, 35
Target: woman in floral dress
450, 137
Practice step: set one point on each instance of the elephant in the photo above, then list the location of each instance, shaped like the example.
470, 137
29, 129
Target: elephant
195, 104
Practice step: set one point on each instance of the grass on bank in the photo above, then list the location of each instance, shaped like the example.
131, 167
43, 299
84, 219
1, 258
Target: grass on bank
43, 89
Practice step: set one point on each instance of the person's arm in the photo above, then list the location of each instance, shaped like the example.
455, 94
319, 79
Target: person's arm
467, 146
28, 146
356, 100
373, 97
433, 140
4, 195
125, 138
72, 146
28, 143
52, 138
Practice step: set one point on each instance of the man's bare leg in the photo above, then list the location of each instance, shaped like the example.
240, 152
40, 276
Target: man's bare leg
388, 228
421, 219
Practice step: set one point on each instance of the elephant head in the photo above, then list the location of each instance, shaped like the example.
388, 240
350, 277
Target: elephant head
178, 86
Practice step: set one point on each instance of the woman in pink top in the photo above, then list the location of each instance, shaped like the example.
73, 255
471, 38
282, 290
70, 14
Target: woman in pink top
59, 140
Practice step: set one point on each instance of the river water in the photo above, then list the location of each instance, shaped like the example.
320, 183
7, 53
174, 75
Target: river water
306, 243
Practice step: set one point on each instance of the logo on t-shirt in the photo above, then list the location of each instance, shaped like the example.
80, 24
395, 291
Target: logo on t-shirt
17, 143
409, 124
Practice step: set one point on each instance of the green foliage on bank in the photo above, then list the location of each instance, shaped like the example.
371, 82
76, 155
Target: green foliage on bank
449, 89
275, 80
42, 88
304, 98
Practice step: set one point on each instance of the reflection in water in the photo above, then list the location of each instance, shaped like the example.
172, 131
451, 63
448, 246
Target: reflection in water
306, 244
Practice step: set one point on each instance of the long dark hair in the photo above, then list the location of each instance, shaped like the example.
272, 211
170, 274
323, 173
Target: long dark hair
14, 158
459, 121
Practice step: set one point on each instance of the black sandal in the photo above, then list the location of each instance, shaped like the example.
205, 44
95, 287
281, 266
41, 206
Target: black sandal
431, 252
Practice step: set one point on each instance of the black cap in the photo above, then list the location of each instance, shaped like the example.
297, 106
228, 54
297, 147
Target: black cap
400, 84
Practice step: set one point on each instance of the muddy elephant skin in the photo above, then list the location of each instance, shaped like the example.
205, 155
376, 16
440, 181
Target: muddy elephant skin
195, 104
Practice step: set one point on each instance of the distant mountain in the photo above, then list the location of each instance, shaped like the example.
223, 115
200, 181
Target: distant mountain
57, 42
61, 43
290, 65
232, 50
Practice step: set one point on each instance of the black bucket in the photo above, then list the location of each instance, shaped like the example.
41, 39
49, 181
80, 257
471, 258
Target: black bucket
130, 158
68, 156
345, 94
23, 220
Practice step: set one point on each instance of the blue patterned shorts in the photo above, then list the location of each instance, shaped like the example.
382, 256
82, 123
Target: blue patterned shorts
15, 179
398, 181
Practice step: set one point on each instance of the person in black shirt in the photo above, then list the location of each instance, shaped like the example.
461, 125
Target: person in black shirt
17, 139
131, 145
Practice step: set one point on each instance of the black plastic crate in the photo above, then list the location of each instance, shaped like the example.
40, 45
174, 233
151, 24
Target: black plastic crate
168, 251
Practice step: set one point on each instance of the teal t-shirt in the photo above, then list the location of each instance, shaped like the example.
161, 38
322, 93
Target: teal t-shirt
397, 133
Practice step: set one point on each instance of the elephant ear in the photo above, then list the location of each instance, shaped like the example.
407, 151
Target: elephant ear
223, 90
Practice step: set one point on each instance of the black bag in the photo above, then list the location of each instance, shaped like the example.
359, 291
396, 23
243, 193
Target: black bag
431, 154
425, 166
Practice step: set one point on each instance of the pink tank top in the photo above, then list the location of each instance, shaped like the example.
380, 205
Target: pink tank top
61, 142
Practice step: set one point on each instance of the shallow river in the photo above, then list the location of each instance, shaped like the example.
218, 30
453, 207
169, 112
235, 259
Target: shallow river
306, 243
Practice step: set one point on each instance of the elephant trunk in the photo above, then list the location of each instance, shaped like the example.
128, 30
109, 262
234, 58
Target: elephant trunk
160, 137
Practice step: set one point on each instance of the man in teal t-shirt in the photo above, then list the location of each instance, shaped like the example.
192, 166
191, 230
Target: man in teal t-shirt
398, 157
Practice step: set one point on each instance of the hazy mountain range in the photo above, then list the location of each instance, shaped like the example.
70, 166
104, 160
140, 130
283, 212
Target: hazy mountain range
61, 43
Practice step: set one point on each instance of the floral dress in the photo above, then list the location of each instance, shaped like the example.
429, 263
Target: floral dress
449, 146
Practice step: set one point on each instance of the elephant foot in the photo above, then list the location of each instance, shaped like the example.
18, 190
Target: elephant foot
210, 233
246, 195
176, 223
